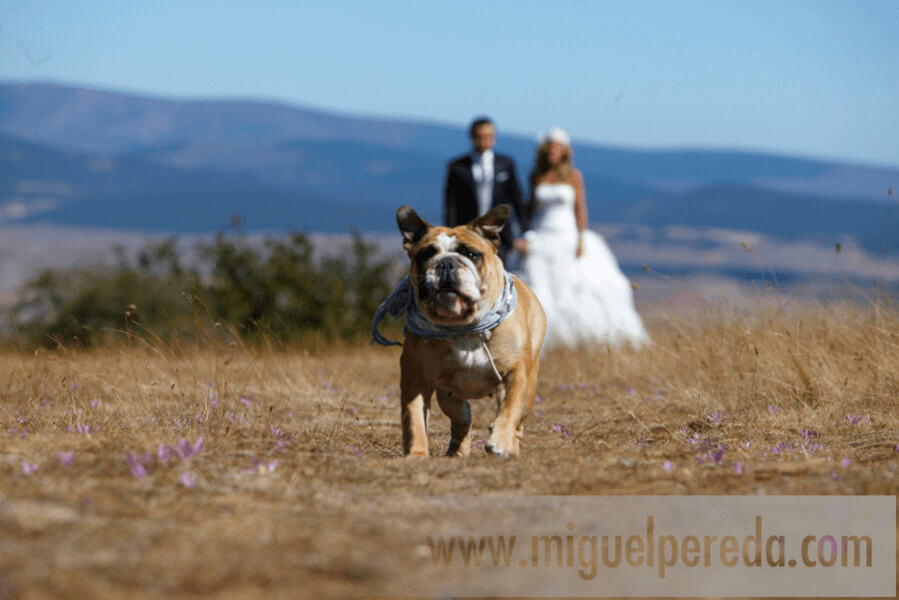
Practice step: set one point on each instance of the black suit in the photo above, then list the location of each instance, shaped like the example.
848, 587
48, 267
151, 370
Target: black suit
460, 195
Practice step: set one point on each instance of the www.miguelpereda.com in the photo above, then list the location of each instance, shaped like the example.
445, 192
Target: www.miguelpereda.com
651, 549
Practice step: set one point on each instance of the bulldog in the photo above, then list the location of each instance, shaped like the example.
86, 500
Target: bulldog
472, 330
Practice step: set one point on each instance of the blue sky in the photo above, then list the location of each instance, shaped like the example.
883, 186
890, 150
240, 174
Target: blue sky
815, 78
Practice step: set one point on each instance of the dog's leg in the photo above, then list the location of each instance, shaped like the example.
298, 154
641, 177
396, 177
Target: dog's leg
530, 394
415, 404
459, 413
506, 429
499, 394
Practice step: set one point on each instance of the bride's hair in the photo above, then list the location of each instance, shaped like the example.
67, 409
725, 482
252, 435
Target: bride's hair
542, 167
564, 171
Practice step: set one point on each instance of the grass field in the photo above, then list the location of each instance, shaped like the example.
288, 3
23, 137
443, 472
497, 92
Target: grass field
152, 470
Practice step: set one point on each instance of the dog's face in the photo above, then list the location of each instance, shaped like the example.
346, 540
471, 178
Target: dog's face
456, 272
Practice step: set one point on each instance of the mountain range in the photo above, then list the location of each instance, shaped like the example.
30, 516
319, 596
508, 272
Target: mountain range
93, 158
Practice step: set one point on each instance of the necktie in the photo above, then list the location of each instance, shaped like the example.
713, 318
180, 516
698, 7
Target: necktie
485, 187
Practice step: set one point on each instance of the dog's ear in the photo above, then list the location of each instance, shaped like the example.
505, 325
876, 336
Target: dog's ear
492, 223
411, 226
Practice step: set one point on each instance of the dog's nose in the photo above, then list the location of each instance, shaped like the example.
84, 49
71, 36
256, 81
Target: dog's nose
445, 268
447, 273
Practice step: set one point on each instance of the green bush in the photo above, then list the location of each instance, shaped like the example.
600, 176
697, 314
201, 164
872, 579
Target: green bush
277, 291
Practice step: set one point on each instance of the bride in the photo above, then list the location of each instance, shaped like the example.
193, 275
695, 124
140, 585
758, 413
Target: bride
571, 269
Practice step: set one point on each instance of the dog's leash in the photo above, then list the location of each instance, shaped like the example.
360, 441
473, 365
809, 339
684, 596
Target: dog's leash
490, 356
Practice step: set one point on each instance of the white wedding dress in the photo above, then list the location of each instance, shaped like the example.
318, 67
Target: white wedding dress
586, 299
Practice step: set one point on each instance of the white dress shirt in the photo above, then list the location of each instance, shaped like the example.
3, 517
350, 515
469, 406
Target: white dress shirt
482, 170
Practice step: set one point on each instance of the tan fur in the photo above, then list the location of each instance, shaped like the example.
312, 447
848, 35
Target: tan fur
460, 370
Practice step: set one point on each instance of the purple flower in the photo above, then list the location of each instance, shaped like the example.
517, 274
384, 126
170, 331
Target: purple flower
65, 459
136, 464
282, 441
82, 429
781, 447
187, 480
95, 402
717, 453
847, 462
165, 454
185, 450
667, 466
539, 413
561, 428
706, 449
29, 468
716, 417
738, 468
358, 450
857, 419
772, 408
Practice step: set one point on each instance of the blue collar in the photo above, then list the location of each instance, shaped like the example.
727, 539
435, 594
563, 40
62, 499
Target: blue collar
401, 300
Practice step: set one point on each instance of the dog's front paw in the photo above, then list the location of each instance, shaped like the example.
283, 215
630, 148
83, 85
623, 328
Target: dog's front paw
499, 446
492, 448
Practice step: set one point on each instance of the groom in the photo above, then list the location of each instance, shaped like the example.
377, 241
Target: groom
479, 180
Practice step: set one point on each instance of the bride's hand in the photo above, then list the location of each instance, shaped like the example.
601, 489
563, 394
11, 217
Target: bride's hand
521, 245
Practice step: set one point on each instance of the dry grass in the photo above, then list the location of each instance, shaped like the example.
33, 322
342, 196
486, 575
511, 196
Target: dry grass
286, 496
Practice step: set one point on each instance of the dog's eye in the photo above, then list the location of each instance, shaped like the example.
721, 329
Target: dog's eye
472, 254
424, 256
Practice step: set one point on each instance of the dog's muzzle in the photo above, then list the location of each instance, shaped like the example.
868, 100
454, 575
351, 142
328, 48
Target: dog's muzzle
447, 289
447, 273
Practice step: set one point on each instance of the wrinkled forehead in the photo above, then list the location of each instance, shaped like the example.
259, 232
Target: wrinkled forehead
441, 239
446, 241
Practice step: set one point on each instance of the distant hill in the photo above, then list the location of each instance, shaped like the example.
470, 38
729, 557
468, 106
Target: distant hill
101, 159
